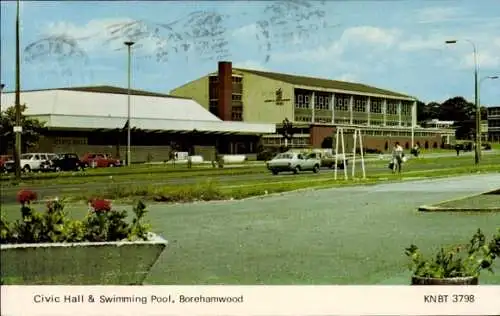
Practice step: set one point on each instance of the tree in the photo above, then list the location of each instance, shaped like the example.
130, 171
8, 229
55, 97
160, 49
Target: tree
427, 111
456, 109
31, 130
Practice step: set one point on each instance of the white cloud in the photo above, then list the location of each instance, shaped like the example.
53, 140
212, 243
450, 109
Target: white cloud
370, 35
438, 14
250, 64
422, 43
377, 38
485, 59
350, 77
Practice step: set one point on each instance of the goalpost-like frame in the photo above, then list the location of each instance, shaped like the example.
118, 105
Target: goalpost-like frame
357, 137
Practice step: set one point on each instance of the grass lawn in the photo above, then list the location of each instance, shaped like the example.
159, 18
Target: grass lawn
343, 236
159, 173
478, 201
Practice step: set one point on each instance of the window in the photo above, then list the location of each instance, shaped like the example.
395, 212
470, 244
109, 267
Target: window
300, 100
342, 104
360, 104
375, 105
406, 108
236, 97
306, 101
392, 107
321, 101
236, 116
236, 79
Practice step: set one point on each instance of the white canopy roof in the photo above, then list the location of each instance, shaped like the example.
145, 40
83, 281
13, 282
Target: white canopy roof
61, 108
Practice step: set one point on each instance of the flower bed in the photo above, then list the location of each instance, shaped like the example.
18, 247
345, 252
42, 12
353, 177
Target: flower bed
103, 248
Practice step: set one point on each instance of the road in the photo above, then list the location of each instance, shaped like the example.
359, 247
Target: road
348, 235
8, 194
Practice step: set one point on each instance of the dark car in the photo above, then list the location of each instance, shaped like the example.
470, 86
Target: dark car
65, 162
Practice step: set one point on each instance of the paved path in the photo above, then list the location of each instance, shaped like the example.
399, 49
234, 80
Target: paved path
351, 235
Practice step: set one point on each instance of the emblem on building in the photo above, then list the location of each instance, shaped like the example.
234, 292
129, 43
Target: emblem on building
278, 100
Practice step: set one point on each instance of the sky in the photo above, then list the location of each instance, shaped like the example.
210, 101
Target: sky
396, 45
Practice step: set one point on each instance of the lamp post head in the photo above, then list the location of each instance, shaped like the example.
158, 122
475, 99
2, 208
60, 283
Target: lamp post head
451, 42
493, 77
129, 43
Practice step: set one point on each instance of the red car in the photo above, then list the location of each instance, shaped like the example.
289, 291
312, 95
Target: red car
94, 160
3, 159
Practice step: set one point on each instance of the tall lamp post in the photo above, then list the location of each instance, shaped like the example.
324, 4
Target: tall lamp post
477, 151
18, 128
129, 48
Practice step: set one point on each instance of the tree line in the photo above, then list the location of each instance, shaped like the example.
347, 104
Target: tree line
456, 109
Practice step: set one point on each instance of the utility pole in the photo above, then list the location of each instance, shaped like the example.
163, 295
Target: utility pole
129, 71
18, 128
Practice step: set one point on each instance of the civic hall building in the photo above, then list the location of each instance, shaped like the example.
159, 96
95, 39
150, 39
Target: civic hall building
94, 119
315, 106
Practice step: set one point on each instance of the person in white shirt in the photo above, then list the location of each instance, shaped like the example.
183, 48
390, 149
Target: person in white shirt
397, 157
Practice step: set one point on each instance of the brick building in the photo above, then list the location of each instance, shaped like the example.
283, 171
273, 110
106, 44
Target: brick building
494, 123
315, 106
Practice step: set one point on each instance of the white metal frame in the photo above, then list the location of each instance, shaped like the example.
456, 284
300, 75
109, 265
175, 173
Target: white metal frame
340, 134
357, 140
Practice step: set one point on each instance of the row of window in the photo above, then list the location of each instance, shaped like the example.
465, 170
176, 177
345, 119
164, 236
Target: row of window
383, 133
322, 119
70, 141
494, 123
359, 105
494, 112
302, 141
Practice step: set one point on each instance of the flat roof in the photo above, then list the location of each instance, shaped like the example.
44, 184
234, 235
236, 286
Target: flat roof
325, 83
83, 109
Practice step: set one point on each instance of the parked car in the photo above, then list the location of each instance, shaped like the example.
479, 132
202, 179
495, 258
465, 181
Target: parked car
328, 160
63, 162
31, 162
294, 162
98, 160
3, 160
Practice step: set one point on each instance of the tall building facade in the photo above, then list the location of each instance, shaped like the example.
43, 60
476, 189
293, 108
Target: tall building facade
315, 106
494, 124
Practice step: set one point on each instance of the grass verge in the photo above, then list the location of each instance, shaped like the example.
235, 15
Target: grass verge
165, 173
210, 190
485, 202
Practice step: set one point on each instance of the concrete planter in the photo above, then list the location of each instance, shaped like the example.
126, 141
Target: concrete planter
86, 263
445, 281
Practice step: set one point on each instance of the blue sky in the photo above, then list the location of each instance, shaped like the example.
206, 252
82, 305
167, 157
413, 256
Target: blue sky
397, 45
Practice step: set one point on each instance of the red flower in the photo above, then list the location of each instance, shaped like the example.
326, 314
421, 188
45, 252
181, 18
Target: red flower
100, 205
26, 196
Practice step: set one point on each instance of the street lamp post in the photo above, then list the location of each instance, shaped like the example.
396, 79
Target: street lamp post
129, 71
477, 151
17, 127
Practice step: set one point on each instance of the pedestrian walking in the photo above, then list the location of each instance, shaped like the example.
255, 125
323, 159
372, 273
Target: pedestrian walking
397, 158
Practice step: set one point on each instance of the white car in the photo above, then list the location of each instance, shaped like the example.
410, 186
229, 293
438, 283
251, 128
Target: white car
294, 162
31, 162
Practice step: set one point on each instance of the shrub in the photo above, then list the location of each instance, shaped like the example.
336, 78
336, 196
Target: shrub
457, 261
102, 223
